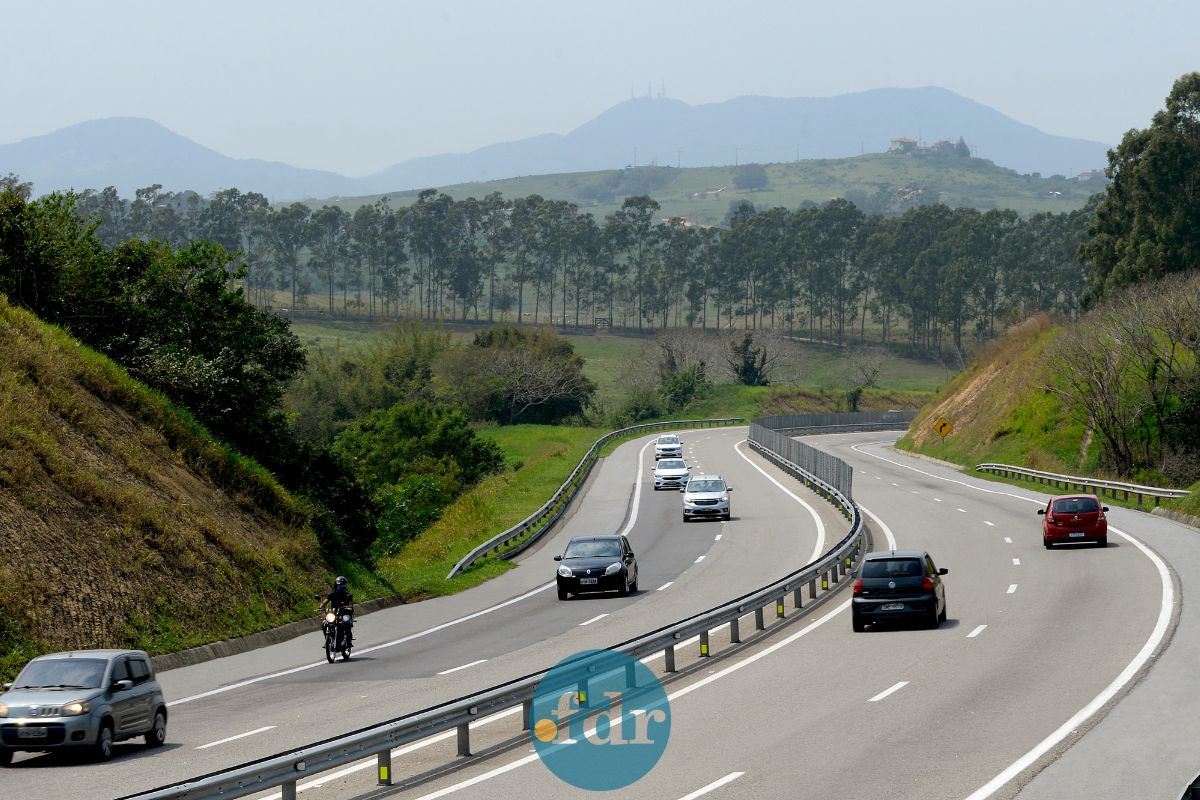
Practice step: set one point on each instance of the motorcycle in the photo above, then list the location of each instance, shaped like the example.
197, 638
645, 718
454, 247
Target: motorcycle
336, 625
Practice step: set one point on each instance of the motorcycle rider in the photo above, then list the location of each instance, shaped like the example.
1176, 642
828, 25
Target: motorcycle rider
340, 598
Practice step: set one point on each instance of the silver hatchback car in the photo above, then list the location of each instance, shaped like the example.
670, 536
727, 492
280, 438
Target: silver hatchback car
85, 699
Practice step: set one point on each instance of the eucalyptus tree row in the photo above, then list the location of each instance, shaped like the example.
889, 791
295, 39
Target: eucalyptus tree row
932, 275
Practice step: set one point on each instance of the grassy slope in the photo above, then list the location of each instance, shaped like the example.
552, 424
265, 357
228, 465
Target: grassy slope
1002, 414
961, 182
113, 519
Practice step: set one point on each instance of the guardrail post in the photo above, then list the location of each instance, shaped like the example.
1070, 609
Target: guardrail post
669, 658
526, 713
384, 767
796, 598
825, 580
812, 589
836, 567
288, 790
735, 634
464, 739
704, 649
759, 622
631, 676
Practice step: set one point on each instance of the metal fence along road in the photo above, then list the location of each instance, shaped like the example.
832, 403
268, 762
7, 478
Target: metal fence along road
824, 575
1084, 484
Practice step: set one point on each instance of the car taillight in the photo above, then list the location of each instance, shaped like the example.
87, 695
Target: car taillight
858, 586
1101, 518
927, 583
1050, 518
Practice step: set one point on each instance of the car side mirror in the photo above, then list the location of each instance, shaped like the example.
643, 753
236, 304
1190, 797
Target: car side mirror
943, 571
1104, 508
628, 556
729, 488
1041, 511
558, 558
683, 488
122, 685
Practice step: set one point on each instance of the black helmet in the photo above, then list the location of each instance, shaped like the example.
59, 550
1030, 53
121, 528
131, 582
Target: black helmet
340, 584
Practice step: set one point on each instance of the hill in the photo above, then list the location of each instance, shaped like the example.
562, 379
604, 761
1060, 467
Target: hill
131, 153
884, 183
122, 522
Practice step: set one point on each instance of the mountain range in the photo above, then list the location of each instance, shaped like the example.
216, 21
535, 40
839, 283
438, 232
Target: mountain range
130, 153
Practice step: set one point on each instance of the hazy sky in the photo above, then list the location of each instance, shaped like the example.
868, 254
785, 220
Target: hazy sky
357, 86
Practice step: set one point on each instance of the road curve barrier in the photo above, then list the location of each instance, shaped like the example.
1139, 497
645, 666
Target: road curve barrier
1074, 482
286, 770
529, 530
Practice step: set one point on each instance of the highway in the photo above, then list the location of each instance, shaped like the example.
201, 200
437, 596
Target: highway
1034, 674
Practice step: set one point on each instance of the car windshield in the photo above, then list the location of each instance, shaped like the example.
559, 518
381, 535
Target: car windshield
670, 463
62, 673
892, 568
593, 548
706, 486
1076, 505
668, 440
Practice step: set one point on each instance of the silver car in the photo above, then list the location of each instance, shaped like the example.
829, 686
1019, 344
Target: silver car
668, 446
706, 496
85, 699
670, 473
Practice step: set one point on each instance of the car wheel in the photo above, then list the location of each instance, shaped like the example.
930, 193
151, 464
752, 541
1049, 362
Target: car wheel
102, 750
945, 611
1046, 543
685, 518
562, 594
1102, 542
634, 587
727, 516
624, 590
857, 623
5, 756
158, 734
933, 620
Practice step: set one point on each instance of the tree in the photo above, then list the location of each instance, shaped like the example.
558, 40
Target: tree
1148, 224
751, 364
750, 176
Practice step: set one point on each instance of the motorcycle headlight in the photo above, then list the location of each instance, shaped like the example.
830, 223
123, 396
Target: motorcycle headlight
76, 709
565, 571
613, 569
330, 617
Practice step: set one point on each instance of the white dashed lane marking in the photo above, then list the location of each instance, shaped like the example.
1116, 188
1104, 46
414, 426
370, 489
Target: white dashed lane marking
886, 692
1012, 587
976, 632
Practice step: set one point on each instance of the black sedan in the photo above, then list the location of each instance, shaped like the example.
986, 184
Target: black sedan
898, 584
597, 564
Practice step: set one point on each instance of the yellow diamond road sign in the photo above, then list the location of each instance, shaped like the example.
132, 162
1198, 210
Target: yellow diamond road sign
943, 427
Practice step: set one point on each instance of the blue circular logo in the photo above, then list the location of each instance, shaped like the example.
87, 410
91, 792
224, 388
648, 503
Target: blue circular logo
600, 720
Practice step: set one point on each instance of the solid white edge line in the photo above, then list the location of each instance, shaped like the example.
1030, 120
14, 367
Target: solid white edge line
1098, 702
1012, 587
464, 666
717, 784
698, 559
637, 497
820, 544
717, 538
593, 619
886, 692
978, 630
235, 738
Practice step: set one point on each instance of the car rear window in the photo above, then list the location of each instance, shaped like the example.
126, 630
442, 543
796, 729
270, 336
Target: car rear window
892, 568
1076, 505
79, 673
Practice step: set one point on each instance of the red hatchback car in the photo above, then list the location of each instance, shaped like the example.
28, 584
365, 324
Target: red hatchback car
1074, 518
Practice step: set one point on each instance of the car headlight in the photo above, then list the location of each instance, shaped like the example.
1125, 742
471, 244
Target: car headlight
76, 708
565, 571
613, 569
724, 498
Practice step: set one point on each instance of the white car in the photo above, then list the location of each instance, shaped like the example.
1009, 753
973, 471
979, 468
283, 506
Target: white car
670, 473
668, 446
706, 496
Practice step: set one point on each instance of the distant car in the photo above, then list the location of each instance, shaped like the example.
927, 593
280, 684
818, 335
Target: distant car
896, 585
668, 446
597, 564
1074, 518
84, 699
670, 473
706, 496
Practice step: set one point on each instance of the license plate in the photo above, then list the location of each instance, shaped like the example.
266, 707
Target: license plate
589, 581
31, 733
1075, 534
891, 606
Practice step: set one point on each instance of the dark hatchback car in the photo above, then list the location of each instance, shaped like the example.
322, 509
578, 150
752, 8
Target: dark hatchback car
1074, 518
898, 585
597, 564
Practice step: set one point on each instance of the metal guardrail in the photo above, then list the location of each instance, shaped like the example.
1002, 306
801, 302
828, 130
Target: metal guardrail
285, 770
1084, 484
533, 527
